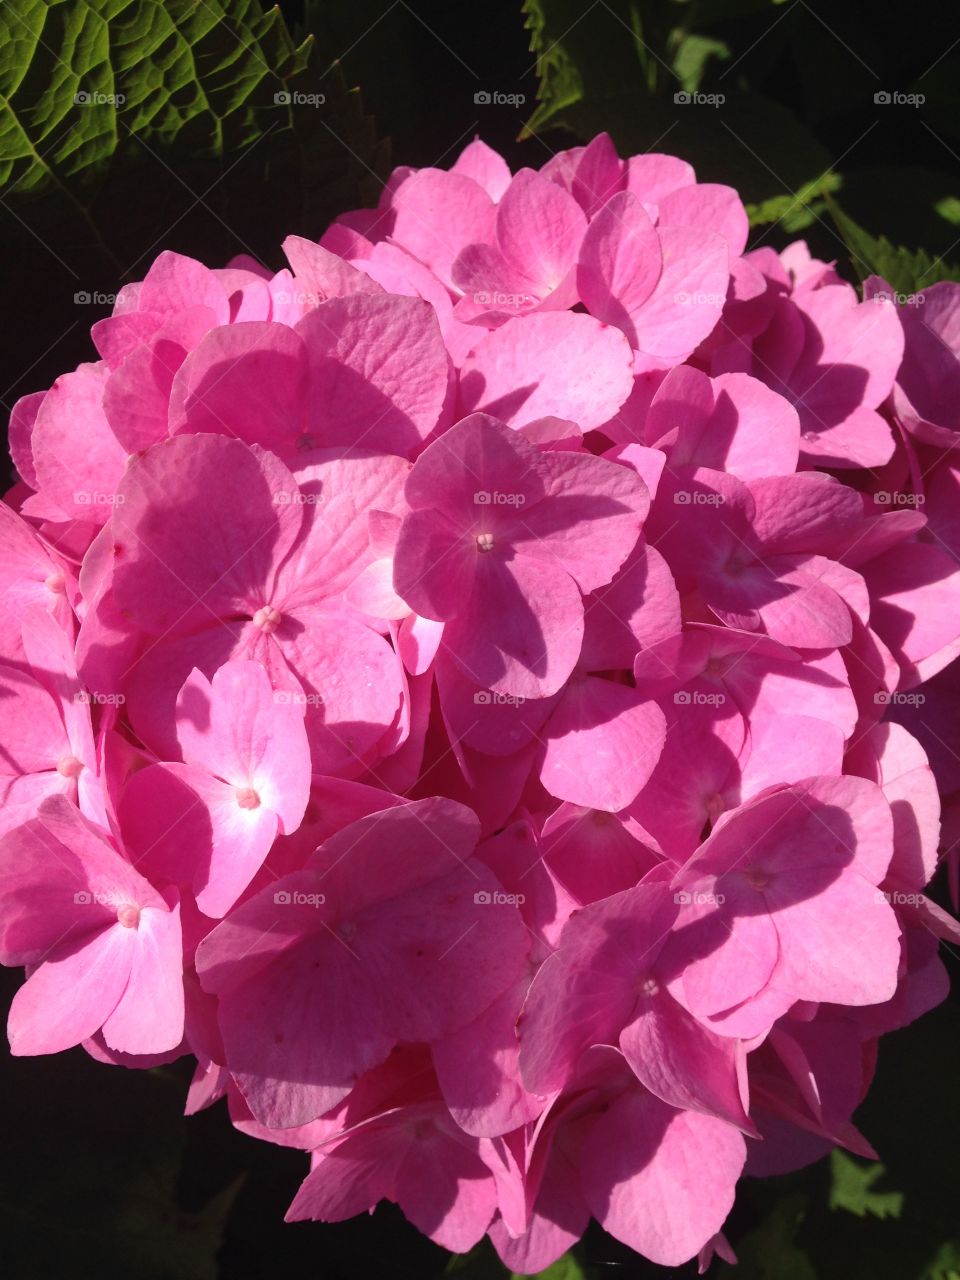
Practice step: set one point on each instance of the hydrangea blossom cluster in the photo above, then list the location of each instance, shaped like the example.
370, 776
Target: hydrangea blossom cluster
482, 690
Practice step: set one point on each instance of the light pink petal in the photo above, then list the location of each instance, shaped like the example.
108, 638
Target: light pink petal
185, 555
445, 1189
689, 294
590, 519
70, 997
478, 1072
240, 729
808, 512
862, 439
585, 993
149, 1017
684, 1064
437, 214
485, 166
351, 1175
37, 736
653, 176
620, 262
377, 372
351, 680
915, 595
23, 417
345, 495
550, 364
189, 828
898, 762
603, 742
524, 628
785, 748
592, 854
78, 469
136, 399
323, 274
539, 229
639, 608
841, 946
712, 207
175, 282
748, 429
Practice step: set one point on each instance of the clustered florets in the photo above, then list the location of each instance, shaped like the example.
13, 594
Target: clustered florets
471, 690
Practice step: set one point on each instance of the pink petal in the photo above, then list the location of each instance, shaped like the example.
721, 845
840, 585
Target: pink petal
377, 372
549, 364
660, 1180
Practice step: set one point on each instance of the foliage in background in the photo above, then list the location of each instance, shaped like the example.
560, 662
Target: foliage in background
99, 97
703, 79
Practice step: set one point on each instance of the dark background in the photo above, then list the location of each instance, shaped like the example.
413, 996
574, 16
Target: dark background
101, 1174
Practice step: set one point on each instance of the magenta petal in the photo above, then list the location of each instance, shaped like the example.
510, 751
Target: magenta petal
78, 471
244, 380
684, 1064
620, 262
524, 628
602, 744
660, 1180
184, 556
377, 372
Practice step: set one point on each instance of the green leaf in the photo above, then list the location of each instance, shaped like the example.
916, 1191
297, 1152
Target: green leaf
565, 1268
692, 57
852, 1188
770, 1250
907, 271
601, 68
795, 212
96, 94
946, 1264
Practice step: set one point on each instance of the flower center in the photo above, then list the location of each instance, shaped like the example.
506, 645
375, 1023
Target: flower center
649, 987
128, 915
267, 618
484, 541
757, 879
69, 767
714, 805
55, 582
247, 798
